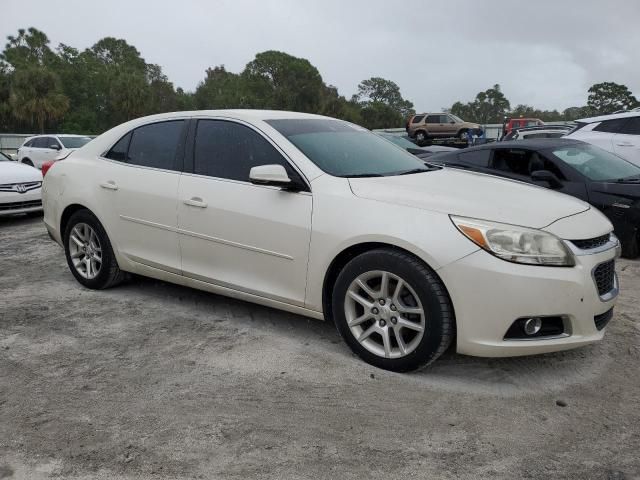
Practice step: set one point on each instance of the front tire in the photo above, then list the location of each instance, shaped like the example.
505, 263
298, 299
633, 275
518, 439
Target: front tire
462, 134
89, 254
392, 310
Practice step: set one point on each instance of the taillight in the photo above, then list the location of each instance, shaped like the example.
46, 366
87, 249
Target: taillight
46, 166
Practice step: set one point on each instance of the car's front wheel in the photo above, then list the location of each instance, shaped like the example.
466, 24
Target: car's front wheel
392, 310
89, 253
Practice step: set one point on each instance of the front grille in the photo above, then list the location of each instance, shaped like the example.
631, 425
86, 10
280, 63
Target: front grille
19, 187
590, 243
602, 319
19, 205
604, 276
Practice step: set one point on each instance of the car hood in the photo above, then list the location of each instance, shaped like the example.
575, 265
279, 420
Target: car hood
471, 194
14, 172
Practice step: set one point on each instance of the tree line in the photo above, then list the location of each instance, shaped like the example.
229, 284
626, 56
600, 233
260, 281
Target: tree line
66, 90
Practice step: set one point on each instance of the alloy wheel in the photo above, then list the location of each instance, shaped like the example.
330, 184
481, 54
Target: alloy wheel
384, 314
85, 251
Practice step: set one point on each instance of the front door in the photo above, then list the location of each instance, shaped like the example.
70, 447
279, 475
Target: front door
236, 234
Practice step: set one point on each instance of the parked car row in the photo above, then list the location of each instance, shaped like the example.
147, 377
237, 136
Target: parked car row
323, 218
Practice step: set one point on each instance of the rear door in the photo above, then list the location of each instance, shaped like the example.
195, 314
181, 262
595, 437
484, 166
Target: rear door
434, 127
627, 142
138, 180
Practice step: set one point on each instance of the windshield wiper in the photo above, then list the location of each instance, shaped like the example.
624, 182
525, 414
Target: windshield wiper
415, 170
363, 175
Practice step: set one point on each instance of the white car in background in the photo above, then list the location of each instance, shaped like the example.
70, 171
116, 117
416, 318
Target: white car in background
618, 133
20, 188
44, 148
323, 218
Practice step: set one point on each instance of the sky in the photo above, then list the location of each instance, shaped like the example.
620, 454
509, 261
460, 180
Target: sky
544, 53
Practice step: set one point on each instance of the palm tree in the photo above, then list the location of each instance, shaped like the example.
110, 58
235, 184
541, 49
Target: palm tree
36, 96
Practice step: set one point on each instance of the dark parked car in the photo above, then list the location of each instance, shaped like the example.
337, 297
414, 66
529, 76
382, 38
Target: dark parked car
420, 152
601, 178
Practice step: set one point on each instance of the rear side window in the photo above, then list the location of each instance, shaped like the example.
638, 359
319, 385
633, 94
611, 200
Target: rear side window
632, 127
433, 119
229, 150
478, 158
611, 126
119, 151
417, 119
156, 145
29, 143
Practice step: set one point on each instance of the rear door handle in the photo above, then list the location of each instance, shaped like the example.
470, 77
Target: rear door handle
624, 144
195, 202
110, 185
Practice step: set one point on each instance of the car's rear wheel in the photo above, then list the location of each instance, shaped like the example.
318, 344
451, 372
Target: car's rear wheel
26, 161
392, 310
89, 253
421, 137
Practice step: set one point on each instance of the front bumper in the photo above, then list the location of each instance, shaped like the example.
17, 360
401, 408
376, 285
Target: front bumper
14, 203
489, 294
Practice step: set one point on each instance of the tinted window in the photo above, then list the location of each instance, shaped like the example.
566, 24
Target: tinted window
30, 143
229, 150
479, 158
611, 126
433, 119
417, 119
632, 127
445, 119
40, 142
156, 145
346, 150
74, 142
596, 163
119, 150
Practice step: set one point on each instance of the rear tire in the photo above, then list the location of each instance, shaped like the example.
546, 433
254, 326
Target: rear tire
392, 310
85, 241
421, 138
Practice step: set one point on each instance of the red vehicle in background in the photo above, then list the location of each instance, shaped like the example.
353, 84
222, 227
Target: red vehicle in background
510, 124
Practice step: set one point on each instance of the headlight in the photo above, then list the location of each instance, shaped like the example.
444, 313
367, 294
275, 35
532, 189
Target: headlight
516, 244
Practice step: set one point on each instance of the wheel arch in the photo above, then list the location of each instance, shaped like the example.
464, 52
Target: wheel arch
352, 251
68, 211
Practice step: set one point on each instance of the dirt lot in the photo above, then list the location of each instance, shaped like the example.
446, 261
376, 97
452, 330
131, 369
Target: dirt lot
151, 380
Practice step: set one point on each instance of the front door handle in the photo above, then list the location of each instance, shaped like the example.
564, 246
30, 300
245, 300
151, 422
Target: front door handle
109, 185
624, 144
195, 202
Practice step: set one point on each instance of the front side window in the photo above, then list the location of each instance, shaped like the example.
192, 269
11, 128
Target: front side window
346, 150
595, 163
41, 142
156, 145
230, 150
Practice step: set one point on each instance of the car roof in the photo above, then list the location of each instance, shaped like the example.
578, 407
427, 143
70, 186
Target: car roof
612, 116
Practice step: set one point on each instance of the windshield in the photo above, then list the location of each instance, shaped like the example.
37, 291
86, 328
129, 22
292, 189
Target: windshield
399, 140
74, 142
346, 150
595, 163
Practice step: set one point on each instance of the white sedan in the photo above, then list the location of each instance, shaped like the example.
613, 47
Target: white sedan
325, 219
20, 188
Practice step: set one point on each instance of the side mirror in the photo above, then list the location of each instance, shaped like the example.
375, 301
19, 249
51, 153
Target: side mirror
274, 175
546, 176
54, 146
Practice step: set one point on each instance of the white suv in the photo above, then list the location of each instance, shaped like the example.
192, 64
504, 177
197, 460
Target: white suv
43, 148
618, 133
323, 218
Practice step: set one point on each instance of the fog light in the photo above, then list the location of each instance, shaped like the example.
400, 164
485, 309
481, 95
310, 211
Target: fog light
532, 326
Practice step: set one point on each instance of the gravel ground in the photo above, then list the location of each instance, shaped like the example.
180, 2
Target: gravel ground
151, 380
